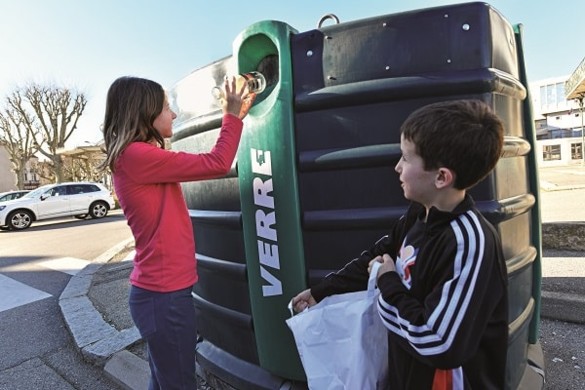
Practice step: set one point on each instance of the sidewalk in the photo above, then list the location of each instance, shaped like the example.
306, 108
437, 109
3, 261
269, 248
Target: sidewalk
94, 303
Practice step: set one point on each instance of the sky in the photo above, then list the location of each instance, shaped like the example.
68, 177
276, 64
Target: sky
87, 44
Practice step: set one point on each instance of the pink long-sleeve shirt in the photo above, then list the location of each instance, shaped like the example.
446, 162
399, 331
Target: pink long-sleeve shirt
146, 181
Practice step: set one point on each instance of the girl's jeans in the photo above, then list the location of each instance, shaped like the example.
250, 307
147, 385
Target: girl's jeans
166, 321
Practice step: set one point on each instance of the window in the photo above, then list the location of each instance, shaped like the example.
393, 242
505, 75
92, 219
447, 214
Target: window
83, 188
551, 152
76, 189
577, 151
91, 188
552, 94
560, 95
56, 191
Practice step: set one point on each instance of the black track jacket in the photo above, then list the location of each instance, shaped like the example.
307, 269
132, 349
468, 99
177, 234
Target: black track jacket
446, 307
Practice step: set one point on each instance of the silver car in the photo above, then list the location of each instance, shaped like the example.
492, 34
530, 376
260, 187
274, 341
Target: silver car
77, 199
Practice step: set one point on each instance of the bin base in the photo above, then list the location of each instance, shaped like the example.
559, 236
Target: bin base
224, 371
533, 378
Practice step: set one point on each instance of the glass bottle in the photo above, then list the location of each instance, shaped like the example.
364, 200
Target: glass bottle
255, 80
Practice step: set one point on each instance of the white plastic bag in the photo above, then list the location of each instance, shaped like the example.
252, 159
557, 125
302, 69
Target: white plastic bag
342, 342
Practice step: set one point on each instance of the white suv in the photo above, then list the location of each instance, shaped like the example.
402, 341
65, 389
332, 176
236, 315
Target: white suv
56, 200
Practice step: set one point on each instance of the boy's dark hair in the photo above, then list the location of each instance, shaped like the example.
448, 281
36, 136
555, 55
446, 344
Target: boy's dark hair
465, 136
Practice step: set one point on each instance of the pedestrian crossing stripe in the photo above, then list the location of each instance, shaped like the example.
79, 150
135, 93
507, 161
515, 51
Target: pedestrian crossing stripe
130, 256
68, 265
14, 294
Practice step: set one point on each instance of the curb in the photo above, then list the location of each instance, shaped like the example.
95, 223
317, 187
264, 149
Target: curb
562, 293
96, 339
562, 306
128, 370
563, 236
548, 186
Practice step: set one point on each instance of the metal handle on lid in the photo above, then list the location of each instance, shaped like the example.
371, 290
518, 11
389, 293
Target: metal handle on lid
325, 17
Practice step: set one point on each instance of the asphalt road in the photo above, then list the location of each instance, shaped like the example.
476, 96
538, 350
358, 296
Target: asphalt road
35, 266
563, 344
83, 239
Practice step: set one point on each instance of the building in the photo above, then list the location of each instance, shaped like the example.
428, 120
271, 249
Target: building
8, 177
557, 122
558, 116
32, 178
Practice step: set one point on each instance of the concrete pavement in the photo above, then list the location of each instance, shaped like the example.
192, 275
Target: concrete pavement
94, 304
105, 343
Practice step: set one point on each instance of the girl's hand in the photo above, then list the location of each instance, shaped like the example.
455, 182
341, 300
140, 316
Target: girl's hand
237, 103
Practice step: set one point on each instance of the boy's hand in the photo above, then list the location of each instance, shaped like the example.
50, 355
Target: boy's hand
303, 300
387, 264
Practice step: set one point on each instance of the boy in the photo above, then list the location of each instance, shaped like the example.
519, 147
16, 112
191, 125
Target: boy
443, 280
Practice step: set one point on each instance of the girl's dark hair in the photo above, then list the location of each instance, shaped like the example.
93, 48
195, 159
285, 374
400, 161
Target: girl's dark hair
465, 136
132, 105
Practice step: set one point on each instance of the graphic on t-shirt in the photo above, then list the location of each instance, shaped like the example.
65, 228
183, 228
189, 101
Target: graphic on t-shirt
406, 259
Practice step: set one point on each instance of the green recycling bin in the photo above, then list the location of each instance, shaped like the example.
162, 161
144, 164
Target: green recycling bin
314, 184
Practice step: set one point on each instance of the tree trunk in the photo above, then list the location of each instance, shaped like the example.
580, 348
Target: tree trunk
20, 174
58, 165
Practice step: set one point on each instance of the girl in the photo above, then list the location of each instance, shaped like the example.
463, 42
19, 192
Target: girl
146, 180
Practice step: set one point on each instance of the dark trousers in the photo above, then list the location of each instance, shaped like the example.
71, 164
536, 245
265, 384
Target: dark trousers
166, 321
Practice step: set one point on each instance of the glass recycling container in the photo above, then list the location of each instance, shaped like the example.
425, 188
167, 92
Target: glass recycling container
313, 183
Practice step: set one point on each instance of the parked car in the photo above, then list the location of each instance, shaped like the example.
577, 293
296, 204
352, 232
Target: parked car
78, 199
11, 195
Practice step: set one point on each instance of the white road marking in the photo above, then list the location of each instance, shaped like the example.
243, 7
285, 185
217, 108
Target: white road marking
130, 256
562, 267
14, 294
68, 265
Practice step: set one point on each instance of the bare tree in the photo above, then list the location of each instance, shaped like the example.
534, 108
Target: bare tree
50, 116
18, 134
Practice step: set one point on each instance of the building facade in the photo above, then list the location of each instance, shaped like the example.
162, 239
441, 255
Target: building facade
8, 180
7, 176
558, 122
